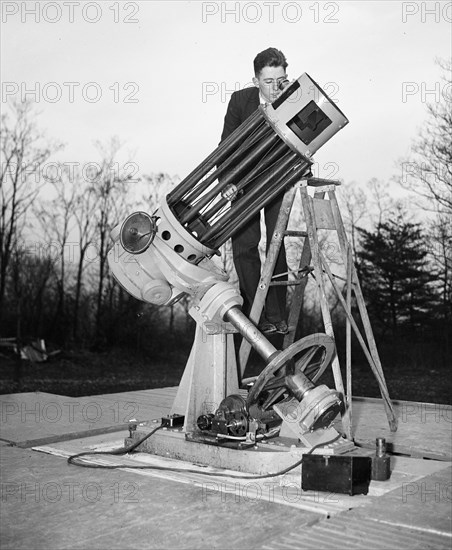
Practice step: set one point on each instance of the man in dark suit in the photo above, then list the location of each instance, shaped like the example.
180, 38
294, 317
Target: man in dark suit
269, 75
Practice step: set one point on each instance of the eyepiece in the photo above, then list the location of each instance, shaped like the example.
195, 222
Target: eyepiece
283, 84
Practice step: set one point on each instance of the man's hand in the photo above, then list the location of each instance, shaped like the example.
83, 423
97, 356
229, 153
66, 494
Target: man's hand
229, 192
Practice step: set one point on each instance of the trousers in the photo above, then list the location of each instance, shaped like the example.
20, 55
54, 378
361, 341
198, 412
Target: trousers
245, 254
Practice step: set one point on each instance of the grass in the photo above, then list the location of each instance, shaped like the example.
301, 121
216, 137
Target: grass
78, 373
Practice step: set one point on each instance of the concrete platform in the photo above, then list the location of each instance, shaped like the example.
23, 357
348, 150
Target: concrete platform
46, 503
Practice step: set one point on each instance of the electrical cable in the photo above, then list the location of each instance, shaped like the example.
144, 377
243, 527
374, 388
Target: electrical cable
72, 460
117, 452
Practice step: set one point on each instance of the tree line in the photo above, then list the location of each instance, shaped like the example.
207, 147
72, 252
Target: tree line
56, 217
55, 223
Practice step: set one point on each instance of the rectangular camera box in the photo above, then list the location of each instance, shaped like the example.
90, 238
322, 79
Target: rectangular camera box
336, 474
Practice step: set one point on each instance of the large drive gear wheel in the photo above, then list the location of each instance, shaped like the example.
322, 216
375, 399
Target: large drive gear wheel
310, 355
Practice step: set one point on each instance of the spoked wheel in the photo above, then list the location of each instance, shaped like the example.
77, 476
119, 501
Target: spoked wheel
307, 358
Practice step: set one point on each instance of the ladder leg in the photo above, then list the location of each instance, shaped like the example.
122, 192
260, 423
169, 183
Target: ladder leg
311, 226
375, 362
348, 341
296, 304
267, 272
376, 367
314, 244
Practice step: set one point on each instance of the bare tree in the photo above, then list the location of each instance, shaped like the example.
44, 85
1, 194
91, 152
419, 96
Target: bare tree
440, 252
428, 174
383, 204
109, 185
85, 222
24, 152
156, 187
354, 204
56, 217
428, 170
30, 291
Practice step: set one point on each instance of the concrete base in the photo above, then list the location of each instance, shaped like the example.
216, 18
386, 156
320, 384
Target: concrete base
264, 458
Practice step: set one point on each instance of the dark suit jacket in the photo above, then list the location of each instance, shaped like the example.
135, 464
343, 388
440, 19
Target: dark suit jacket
241, 105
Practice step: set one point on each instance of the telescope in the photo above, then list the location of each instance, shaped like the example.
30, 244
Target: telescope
161, 257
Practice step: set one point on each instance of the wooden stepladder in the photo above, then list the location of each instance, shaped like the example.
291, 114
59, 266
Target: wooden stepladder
321, 212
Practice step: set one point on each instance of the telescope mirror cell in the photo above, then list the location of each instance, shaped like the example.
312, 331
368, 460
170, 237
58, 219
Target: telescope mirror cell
137, 232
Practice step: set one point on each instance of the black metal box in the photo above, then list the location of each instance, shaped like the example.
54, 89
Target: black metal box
336, 474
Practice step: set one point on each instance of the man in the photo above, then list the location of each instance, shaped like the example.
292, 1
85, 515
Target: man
269, 75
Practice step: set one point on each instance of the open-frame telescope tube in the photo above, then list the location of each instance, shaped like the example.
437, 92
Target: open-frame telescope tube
157, 258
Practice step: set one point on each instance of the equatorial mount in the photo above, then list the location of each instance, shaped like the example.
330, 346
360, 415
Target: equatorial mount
160, 263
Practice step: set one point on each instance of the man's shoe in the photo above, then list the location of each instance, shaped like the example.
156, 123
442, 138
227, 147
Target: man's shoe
266, 327
281, 327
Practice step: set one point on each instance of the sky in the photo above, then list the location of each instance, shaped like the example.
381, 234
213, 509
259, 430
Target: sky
160, 74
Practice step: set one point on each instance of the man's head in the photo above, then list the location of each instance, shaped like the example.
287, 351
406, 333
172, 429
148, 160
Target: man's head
269, 70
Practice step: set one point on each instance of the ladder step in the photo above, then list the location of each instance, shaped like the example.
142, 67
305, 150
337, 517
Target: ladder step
285, 283
299, 275
290, 233
320, 182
